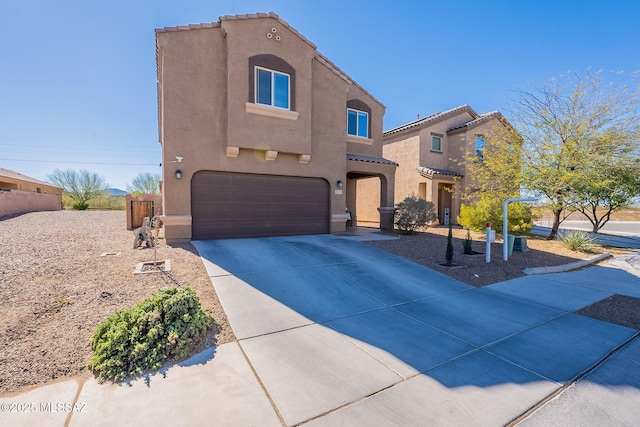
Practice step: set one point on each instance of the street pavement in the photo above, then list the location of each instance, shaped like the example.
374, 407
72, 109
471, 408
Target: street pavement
332, 331
612, 237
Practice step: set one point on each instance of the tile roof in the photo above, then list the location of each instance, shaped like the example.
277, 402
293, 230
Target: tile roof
370, 159
319, 56
430, 172
16, 175
483, 118
434, 118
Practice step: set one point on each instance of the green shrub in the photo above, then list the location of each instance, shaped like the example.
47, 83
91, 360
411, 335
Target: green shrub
80, 206
413, 213
475, 217
467, 244
449, 251
167, 325
578, 241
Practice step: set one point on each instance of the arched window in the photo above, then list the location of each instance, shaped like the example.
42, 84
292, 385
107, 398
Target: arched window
358, 118
272, 82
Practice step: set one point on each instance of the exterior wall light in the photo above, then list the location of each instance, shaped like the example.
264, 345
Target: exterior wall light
178, 173
339, 183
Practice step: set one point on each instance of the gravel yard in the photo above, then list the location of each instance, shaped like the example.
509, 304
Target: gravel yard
56, 288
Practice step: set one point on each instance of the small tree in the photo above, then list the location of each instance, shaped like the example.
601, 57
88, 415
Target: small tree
467, 244
604, 189
81, 186
145, 183
413, 213
449, 252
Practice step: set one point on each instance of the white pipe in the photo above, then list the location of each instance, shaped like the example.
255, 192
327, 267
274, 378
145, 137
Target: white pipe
505, 223
487, 249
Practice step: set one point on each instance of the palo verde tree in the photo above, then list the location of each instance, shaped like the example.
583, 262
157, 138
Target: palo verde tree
604, 188
145, 183
81, 186
575, 129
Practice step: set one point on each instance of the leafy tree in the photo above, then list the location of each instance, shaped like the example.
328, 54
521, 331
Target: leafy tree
488, 208
81, 186
413, 213
498, 176
145, 183
604, 189
575, 129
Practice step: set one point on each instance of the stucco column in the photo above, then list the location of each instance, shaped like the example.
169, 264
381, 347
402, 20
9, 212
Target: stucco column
386, 217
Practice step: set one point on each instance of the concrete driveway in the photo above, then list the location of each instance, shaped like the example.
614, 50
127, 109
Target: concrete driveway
341, 333
332, 331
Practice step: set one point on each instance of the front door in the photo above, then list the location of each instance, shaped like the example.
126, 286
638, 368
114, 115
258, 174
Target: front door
445, 212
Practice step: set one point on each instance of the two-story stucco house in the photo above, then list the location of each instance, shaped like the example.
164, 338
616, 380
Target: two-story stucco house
431, 157
261, 134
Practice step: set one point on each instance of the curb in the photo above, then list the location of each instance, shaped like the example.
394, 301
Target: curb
566, 267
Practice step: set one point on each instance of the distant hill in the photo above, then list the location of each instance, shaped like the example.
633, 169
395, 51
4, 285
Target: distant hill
116, 192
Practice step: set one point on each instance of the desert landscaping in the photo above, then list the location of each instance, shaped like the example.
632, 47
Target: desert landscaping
63, 273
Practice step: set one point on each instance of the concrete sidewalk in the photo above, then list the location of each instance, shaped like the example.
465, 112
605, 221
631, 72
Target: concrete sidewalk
335, 332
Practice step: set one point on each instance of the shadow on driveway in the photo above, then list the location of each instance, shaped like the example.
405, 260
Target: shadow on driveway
341, 332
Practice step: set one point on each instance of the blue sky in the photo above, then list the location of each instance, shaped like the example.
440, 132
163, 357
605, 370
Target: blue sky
78, 81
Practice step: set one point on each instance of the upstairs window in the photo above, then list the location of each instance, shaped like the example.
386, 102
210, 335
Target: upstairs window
436, 142
479, 148
357, 123
272, 88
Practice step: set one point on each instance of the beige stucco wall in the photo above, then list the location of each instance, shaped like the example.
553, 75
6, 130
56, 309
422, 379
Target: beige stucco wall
405, 152
367, 202
16, 202
204, 117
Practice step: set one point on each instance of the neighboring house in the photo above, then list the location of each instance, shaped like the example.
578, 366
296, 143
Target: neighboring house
21, 194
431, 155
261, 134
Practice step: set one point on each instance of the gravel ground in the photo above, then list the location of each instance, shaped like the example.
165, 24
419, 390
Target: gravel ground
56, 288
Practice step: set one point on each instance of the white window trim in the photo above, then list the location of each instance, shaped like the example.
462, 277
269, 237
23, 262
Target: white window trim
273, 89
368, 118
267, 110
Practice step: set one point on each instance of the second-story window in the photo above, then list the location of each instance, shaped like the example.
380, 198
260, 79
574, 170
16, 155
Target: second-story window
479, 148
272, 88
436, 142
357, 123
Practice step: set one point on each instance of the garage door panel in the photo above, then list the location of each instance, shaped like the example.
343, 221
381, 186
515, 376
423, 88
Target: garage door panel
231, 205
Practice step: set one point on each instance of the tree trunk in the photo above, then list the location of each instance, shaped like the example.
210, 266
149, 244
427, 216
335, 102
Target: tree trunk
556, 224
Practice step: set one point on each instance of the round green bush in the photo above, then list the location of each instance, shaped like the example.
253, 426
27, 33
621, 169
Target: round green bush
80, 206
413, 213
167, 325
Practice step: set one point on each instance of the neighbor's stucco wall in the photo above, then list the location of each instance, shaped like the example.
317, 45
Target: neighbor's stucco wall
405, 152
16, 202
442, 160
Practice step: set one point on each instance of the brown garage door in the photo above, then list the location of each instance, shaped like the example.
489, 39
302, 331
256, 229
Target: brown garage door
230, 205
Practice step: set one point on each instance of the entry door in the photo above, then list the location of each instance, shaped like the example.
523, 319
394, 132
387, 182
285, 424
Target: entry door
444, 202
